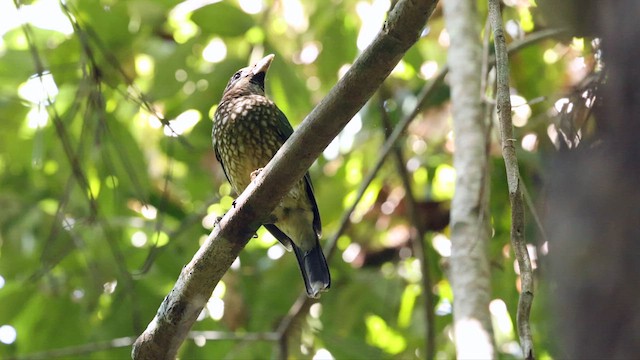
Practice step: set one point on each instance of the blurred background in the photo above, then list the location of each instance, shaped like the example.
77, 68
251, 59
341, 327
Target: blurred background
109, 184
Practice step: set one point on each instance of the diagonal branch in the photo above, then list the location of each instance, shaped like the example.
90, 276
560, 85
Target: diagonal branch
513, 180
417, 239
181, 307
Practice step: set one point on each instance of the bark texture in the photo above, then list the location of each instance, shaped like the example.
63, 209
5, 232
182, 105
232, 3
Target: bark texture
470, 277
594, 210
516, 198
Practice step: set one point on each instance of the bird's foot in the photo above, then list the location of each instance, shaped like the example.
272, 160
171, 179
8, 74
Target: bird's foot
233, 203
216, 222
255, 173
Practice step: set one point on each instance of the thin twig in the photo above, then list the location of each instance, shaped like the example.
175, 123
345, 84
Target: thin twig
513, 179
534, 211
299, 307
225, 335
417, 239
79, 350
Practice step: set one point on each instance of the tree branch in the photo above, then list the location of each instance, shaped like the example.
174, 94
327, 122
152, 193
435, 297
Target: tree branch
513, 180
417, 239
470, 275
181, 307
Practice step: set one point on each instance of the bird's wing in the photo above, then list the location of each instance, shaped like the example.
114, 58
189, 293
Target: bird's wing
278, 234
285, 130
215, 149
317, 224
283, 127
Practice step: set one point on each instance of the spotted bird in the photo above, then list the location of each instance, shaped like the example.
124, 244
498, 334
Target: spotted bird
248, 129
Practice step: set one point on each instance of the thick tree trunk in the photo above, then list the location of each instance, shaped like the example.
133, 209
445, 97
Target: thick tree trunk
470, 278
594, 211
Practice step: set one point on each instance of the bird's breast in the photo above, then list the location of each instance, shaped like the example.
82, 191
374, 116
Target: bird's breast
245, 135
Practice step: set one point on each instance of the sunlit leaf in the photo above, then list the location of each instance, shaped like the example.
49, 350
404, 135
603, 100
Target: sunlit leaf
222, 19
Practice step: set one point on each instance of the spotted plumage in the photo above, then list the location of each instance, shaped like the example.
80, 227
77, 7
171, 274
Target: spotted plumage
248, 130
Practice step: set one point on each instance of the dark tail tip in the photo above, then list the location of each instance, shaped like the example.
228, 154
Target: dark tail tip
315, 270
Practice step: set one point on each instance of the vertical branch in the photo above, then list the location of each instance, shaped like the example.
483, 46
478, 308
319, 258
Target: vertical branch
417, 238
470, 275
513, 179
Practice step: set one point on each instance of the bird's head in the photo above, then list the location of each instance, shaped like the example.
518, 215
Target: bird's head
249, 80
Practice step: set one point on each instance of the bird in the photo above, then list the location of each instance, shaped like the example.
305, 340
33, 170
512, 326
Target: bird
248, 129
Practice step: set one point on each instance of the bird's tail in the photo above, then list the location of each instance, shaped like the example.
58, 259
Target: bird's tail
314, 268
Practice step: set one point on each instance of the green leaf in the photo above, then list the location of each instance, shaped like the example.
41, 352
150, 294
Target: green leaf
222, 19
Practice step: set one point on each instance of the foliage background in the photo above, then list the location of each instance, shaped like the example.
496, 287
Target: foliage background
101, 205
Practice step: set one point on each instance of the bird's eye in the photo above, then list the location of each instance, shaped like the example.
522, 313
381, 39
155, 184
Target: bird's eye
236, 76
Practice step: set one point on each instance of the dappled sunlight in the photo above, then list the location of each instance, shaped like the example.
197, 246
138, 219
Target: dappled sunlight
441, 244
429, 69
236, 264
44, 14
552, 133
315, 310
215, 51
472, 339
372, 15
39, 89
444, 182
410, 270
149, 211
351, 252
443, 38
530, 142
521, 110
407, 304
180, 22
551, 56
343, 70
406, 72
209, 220
294, 15
183, 123
110, 287
275, 252
251, 6
77, 295
322, 354
37, 117
309, 53
215, 308
139, 239
381, 335
502, 325
145, 65
8, 334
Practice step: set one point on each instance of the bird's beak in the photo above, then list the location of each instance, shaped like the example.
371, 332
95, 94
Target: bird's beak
263, 65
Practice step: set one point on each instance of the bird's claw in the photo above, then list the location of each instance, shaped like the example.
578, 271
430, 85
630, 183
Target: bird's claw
216, 222
255, 173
